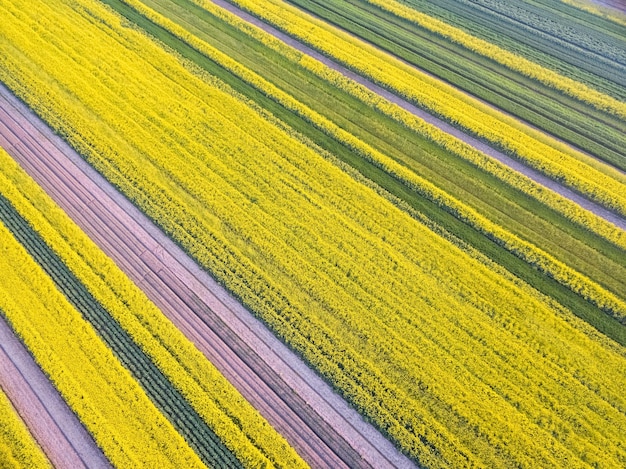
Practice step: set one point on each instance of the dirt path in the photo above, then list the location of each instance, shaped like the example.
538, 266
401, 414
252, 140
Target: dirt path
474, 142
322, 427
53, 424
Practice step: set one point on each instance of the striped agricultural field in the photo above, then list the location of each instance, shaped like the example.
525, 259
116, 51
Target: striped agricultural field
331, 234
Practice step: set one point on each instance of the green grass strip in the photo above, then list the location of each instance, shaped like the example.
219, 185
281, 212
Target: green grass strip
567, 118
487, 26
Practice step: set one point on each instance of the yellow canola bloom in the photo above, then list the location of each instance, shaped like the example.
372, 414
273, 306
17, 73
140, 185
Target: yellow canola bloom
527, 251
568, 208
114, 409
544, 153
459, 365
18, 448
508, 59
251, 438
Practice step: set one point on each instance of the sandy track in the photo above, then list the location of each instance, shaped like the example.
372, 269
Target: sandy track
474, 142
53, 424
322, 427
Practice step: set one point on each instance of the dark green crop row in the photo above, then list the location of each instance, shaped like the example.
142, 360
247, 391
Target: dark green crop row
158, 388
526, 217
549, 20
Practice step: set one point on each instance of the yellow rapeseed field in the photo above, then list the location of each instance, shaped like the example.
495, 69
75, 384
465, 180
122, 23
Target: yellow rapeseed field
527, 251
597, 9
109, 402
569, 209
458, 364
582, 173
251, 438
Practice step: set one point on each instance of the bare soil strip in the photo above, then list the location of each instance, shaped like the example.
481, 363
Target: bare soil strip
448, 128
53, 424
322, 427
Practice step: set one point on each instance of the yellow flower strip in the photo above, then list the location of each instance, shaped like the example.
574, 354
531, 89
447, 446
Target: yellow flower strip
115, 410
18, 448
594, 179
527, 251
459, 365
569, 209
252, 439
510, 60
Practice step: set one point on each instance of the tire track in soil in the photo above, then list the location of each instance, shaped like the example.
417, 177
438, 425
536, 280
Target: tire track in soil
317, 422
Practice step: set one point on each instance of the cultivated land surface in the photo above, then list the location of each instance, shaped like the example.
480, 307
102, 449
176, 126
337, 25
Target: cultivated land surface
18, 449
405, 213
536, 176
497, 129
518, 86
321, 426
119, 410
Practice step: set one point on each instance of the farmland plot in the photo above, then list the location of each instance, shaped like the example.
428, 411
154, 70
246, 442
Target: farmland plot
415, 332
181, 392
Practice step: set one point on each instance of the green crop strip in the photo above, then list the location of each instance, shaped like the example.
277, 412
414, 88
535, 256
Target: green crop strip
459, 363
539, 49
596, 39
492, 196
592, 130
158, 388
542, 282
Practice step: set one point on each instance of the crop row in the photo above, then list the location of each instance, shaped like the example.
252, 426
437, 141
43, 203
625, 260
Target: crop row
167, 399
526, 251
492, 75
155, 352
124, 422
346, 91
548, 18
416, 333
487, 25
18, 448
536, 150
508, 59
